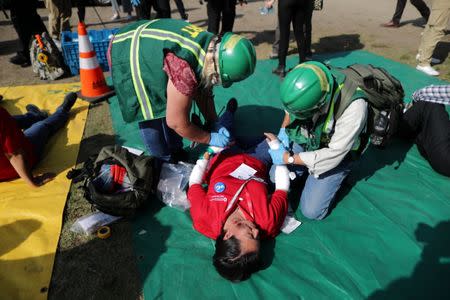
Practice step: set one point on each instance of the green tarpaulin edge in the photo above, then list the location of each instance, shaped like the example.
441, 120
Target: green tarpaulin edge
387, 238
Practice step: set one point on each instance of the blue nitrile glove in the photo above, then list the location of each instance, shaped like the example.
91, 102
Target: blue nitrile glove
277, 155
135, 2
220, 139
283, 137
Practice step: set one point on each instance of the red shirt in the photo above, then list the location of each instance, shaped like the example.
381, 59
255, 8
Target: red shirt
181, 74
11, 140
208, 208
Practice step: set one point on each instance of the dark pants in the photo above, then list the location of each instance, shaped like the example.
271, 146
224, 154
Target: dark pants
217, 9
162, 8
159, 139
299, 13
419, 4
26, 22
81, 9
428, 123
181, 9
39, 131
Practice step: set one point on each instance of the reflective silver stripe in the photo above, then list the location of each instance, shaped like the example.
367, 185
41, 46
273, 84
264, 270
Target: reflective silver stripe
88, 63
184, 42
84, 43
122, 37
136, 74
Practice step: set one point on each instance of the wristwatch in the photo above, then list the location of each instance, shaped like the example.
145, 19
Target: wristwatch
291, 159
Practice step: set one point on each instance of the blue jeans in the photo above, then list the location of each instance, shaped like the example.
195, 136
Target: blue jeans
159, 139
39, 132
319, 193
26, 120
253, 146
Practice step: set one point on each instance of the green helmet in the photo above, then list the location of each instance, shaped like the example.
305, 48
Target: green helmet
237, 58
306, 89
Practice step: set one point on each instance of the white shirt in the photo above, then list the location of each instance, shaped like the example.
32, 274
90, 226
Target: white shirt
346, 132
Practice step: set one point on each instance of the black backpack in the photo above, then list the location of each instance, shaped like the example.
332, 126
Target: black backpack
384, 95
138, 169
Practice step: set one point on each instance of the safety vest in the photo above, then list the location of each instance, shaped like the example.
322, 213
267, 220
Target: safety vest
314, 135
137, 57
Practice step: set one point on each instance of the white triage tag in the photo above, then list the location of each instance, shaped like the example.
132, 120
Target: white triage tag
133, 150
243, 172
290, 224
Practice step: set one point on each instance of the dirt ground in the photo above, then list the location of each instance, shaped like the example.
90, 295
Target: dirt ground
81, 269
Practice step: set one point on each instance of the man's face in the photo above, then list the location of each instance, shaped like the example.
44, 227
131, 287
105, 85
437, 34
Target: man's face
246, 232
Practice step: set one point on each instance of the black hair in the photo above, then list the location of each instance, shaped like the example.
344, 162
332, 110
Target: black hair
229, 262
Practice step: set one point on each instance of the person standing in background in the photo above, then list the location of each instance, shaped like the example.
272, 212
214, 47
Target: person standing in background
433, 33
299, 13
126, 6
59, 17
419, 4
181, 10
221, 9
144, 8
26, 22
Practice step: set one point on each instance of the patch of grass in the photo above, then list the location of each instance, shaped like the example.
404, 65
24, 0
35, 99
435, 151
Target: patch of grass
87, 267
405, 57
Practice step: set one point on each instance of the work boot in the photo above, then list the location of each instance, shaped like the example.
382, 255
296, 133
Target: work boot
280, 71
391, 24
232, 105
34, 110
20, 60
69, 101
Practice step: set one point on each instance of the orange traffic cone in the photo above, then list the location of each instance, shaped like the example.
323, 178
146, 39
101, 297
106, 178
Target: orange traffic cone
93, 84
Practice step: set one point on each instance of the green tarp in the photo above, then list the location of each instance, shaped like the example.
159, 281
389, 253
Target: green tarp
387, 238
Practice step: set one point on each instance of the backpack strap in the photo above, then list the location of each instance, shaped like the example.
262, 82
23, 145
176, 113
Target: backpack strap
347, 92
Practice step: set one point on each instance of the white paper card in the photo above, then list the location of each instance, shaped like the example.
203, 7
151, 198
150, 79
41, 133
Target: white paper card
243, 172
133, 150
290, 224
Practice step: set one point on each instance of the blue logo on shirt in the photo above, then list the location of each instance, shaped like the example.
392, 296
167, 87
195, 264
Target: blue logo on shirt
219, 187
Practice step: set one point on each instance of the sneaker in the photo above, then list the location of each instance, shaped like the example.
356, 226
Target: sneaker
434, 61
280, 71
21, 60
34, 110
69, 101
232, 105
129, 17
115, 16
428, 70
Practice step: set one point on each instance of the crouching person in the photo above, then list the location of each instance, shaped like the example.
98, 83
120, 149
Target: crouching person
21, 150
315, 143
237, 210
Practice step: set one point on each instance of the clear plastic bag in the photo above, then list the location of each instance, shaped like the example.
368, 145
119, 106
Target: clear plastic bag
172, 185
91, 222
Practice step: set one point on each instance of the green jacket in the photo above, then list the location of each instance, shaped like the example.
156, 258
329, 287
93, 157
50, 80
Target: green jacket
312, 136
137, 57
